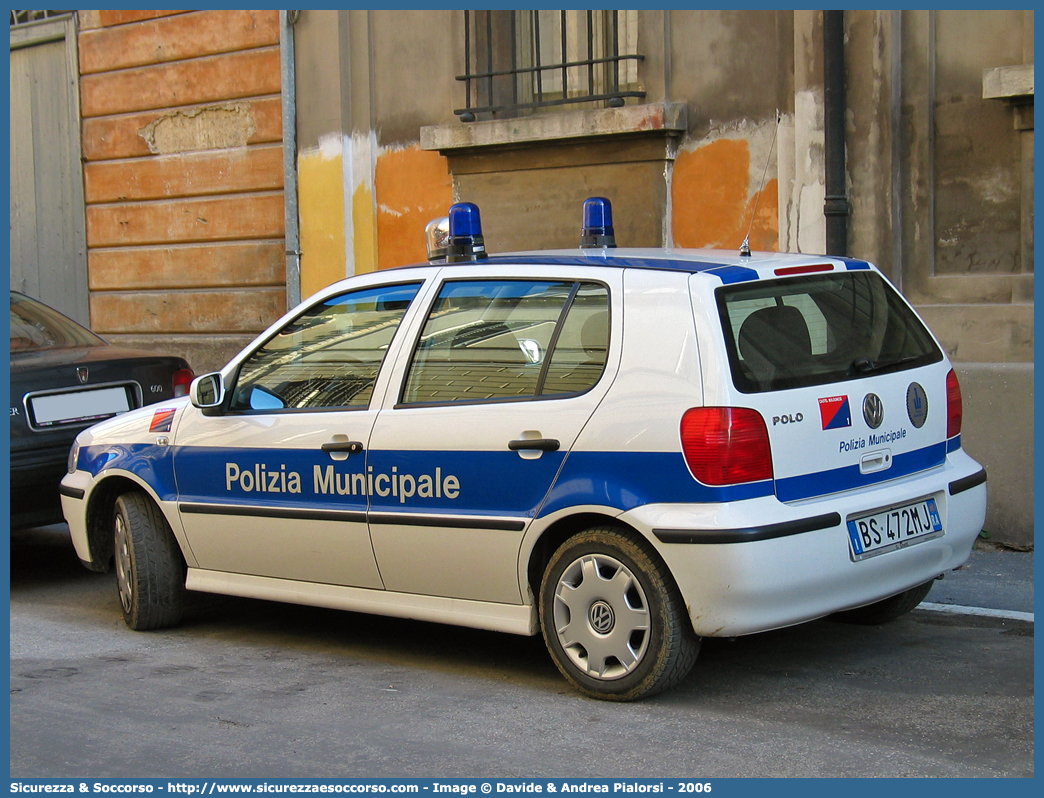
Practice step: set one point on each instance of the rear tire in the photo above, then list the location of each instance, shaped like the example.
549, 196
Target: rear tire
887, 610
613, 618
150, 571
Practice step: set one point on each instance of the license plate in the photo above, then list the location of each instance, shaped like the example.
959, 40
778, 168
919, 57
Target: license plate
894, 528
78, 407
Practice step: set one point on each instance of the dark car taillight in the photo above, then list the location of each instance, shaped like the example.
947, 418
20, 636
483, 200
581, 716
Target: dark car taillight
726, 445
182, 380
954, 405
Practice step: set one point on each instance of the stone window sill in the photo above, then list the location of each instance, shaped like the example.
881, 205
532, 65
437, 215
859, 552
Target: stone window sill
1012, 83
664, 119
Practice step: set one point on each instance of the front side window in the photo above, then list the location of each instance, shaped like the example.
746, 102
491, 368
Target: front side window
510, 339
328, 357
813, 330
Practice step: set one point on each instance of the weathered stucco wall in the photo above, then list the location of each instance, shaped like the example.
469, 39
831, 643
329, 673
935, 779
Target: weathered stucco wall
998, 432
183, 178
366, 188
725, 179
962, 166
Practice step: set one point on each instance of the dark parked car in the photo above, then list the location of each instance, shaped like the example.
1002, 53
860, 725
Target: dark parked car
65, 378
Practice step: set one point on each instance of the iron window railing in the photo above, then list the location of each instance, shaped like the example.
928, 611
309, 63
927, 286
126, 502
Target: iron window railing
25, 17
517, 61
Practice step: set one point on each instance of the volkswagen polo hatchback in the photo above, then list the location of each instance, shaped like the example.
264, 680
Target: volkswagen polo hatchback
621, 450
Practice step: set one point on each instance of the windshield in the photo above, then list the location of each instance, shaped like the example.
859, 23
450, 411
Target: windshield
36, 326
813, 330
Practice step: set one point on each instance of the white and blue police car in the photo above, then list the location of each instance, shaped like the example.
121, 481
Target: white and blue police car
623, 450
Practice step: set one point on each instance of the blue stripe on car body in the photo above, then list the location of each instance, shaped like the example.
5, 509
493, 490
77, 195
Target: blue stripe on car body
487, 483
835, 480
153, 464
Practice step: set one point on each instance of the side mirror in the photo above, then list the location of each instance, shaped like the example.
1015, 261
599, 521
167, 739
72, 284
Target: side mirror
208, 392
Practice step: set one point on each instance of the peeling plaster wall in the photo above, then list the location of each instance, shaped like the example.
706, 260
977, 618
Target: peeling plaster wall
367, 190
735, 167
212, 128
806, 226
413, 187
321, 205
183, 178
355, 219
725, 184
871, 137
978, 169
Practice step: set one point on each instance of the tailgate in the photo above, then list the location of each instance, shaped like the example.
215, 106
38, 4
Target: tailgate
843, 436
852, 386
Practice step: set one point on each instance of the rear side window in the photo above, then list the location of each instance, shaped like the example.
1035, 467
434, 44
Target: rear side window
488, 340
36, 326
819, 329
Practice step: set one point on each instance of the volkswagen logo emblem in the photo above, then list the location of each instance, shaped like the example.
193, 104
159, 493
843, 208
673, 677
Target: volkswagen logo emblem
601, 617
916, 404
873, 410
82, 374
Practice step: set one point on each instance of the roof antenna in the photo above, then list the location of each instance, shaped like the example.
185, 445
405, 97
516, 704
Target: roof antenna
744, 249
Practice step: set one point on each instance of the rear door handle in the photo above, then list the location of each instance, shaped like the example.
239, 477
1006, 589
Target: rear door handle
536, 444
352, 447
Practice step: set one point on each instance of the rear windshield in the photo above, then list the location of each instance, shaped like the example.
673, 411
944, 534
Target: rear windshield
818, 329
36, 326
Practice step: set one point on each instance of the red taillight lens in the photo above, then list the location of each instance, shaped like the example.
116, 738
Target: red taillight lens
182, 380
954, 405
726, 445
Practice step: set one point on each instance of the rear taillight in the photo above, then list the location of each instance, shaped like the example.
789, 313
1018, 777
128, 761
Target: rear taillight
726, 445
954, 405
182, 381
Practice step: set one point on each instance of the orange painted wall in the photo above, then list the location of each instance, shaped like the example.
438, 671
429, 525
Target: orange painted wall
413, 187
183, 169
713, 199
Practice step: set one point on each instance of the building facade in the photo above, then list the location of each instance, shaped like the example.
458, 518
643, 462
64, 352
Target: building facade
238, 160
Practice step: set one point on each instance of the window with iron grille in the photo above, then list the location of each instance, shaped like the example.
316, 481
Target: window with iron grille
518, 61
25, 17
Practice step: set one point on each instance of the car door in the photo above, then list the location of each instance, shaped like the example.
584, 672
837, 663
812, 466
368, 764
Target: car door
503, 374
275, 484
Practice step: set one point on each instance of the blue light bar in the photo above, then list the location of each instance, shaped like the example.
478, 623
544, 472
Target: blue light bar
465, 233
598, 224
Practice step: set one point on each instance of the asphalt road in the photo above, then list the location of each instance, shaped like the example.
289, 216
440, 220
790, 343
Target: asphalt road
253, 689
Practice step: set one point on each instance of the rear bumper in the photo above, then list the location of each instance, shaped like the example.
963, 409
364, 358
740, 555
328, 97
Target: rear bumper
34, 486
755, 565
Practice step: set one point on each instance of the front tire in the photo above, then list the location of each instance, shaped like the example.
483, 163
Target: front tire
887, 609
150, 571
613, 618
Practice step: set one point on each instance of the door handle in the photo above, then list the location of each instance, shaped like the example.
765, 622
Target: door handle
534, 444
352, 447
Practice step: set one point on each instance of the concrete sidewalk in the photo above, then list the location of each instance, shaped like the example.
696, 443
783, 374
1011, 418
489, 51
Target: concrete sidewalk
992, 579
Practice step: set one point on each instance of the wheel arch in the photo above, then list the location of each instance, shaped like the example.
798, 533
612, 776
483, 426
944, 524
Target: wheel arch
101, 505
559, 531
